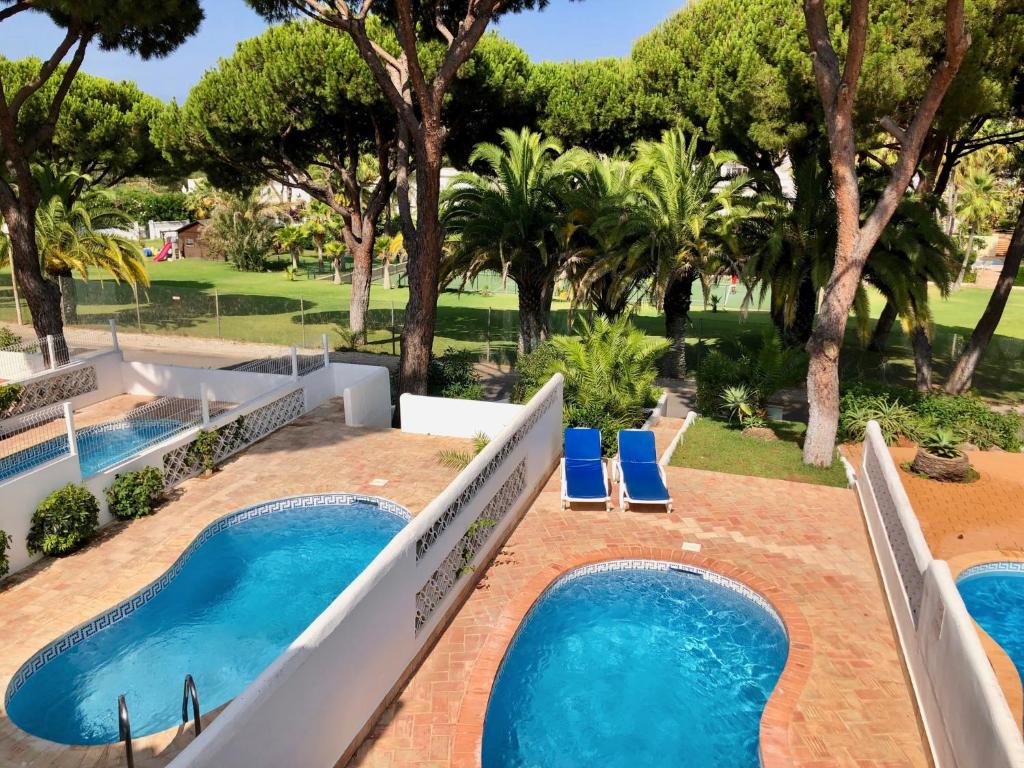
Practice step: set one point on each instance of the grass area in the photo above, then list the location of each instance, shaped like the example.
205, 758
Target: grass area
211, 299
717, 447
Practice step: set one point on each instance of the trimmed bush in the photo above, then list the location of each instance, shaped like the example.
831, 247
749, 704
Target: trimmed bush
972, 421
890, 409
63, 521
10, 394
715, 374
453, 375
8, 338
758, 361
5, 542
135, 494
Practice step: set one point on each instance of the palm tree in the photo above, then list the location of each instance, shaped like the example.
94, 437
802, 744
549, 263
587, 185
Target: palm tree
604, 269
241, 231
336, 250
683, 201
290, 239
507, 219
979, 205
71, 241
319, 226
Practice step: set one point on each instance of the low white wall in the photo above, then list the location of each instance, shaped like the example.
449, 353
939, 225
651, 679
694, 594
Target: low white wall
181, 381
455, 418
367, 393
15, 366
666, 457
311, 705
963, 709
109, 378
21, 495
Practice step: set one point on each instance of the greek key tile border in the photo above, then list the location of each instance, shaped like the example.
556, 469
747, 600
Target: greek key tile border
451, 512
447, 575
126, 608
1010, 566
55, 389
609, 566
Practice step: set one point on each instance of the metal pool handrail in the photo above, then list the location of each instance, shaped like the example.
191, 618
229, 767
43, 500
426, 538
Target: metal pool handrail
124, 730
191, 692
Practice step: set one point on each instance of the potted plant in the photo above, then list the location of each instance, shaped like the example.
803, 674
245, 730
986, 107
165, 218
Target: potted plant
939, 457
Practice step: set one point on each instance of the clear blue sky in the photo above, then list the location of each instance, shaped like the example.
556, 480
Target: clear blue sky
566, 30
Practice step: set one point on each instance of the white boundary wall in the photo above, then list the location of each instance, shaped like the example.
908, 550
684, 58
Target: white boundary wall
365, 389
451, 417
315, 702
965, 714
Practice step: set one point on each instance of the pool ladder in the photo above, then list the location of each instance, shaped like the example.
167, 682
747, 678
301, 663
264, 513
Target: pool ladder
124, 722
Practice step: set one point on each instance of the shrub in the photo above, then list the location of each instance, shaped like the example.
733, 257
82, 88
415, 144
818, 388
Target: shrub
758, 361
203, 449
5, 542
942, 443
10, 394
972, 420
8, 338
716, 372
609, 376
63, 521
738, 402
142, 205
453, 375
860, 405
134, 494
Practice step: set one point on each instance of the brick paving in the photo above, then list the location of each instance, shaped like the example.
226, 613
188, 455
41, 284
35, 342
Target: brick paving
315, 454
844, 698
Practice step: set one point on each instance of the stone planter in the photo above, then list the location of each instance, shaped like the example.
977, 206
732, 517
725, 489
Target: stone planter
939, 468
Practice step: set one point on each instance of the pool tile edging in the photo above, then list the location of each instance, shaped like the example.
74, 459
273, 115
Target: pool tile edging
128, 606
775, 750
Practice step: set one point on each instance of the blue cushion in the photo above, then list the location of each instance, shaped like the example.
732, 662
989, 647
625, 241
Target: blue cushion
637, 445
643, 481
583, 443
584, 479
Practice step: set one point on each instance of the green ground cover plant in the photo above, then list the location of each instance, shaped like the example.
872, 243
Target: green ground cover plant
64, 521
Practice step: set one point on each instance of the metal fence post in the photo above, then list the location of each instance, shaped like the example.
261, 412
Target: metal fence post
51, 349
327, 349
138, 312
69, 422
113, 335
204, 401
302, 312
295, 364
488, 333
216, 309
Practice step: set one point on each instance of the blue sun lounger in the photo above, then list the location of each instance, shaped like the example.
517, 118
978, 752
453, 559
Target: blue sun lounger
584, 475
641, 478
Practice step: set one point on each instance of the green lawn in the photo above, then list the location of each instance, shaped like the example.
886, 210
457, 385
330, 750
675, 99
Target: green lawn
186, 295
713, 445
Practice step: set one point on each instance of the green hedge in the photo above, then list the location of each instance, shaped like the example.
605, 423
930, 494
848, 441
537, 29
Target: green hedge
63, 521
5, 542
135, 494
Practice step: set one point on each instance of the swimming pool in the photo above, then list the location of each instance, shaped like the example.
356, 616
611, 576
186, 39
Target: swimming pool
994, 595
619, 664
244, 590
99, 446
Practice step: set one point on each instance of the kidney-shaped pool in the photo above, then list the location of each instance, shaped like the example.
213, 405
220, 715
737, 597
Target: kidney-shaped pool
636, 663
994, 595
243, 591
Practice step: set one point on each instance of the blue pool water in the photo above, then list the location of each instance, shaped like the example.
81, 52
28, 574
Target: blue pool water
99, 447
996, 601
635, 668
242, 597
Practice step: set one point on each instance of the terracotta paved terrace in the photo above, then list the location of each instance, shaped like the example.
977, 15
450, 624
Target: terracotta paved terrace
315, 454
843, 699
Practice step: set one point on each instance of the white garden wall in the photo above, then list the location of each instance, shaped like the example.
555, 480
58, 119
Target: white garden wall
367, 393
455, 418
963, 709
181, 381
318, 699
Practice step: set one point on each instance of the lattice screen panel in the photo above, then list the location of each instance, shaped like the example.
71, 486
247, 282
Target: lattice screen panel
55, 389
465, 551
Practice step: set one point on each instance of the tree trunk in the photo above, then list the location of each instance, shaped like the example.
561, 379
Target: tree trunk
41, 295
68, 299
386, 275
319, 256
883, 328
963, 372
967, 260
534, 315
336, 263
295, 259
423, 267
922, 342
798, 332
678, 296
362, 271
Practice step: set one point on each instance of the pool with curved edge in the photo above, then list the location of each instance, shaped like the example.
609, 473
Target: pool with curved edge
630, 663
994, 596
246, 587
